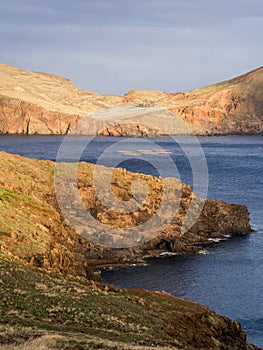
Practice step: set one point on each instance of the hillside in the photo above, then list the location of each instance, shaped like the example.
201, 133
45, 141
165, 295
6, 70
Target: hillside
48, 297
33, 228
40, 103
41, 311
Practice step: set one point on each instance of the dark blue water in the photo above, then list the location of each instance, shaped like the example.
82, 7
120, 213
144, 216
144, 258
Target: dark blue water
229, 279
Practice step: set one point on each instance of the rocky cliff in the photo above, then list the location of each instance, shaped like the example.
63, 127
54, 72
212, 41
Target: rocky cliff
33, 228
234, 106
46, 299
129, 130
39, 103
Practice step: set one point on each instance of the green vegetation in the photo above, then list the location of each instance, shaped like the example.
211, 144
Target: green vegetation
41, 310
44, 304
34, 304
12, 196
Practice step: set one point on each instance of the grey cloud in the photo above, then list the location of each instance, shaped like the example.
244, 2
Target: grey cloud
148, 12
117, 45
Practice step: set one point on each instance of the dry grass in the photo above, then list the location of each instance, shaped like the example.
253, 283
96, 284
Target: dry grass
40, 311
46, 342
52, 342
51, 92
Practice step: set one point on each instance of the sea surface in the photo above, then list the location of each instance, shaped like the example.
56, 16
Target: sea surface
229, 278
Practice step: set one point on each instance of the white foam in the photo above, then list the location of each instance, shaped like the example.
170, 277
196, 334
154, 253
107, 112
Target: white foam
167, 254
217, 239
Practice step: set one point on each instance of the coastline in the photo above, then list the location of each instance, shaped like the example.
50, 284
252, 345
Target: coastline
38, 242
161, 135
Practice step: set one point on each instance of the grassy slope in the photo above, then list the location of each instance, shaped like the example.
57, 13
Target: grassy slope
54, 105
60, 94
49, 91
55, 311
238, 84
63, 313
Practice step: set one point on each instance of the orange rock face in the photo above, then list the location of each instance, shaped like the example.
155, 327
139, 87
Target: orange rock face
38, 103
34, 229
130, 130
20, 117
231, 107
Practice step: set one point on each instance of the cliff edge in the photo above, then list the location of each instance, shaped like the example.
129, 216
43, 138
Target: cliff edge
48, 296
40, 103
33, 228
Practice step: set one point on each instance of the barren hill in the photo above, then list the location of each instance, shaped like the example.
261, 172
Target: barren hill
40, 103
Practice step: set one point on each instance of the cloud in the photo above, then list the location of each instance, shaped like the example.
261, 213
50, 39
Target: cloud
118, 45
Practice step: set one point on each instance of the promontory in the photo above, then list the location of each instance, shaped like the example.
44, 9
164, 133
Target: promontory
49, 296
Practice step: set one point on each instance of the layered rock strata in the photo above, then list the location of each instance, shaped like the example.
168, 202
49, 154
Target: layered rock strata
39, 103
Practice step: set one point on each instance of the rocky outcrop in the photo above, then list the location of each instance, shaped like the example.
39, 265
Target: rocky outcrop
33, 228
56, 260
234, 106
20, 117
130, 130
39, 103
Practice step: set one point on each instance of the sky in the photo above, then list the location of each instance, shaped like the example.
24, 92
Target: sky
113, 46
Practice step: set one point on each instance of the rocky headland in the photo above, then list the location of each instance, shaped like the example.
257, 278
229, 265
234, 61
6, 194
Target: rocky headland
40, 103
34, 229
48, 295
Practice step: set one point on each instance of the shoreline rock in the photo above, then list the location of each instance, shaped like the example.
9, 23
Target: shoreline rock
34, 229
43, 259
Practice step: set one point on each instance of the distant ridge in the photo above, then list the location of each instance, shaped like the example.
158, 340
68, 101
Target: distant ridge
42, 103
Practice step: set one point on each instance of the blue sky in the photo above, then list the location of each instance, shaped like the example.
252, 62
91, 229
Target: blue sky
113, 46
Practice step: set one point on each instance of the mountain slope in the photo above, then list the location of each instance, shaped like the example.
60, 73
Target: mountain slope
39, 103
43, 311
47, 297
233, 106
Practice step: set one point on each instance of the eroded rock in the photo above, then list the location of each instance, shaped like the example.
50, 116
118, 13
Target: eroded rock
39, 103
34, 229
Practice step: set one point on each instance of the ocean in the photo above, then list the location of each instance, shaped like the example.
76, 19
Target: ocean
229, 277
